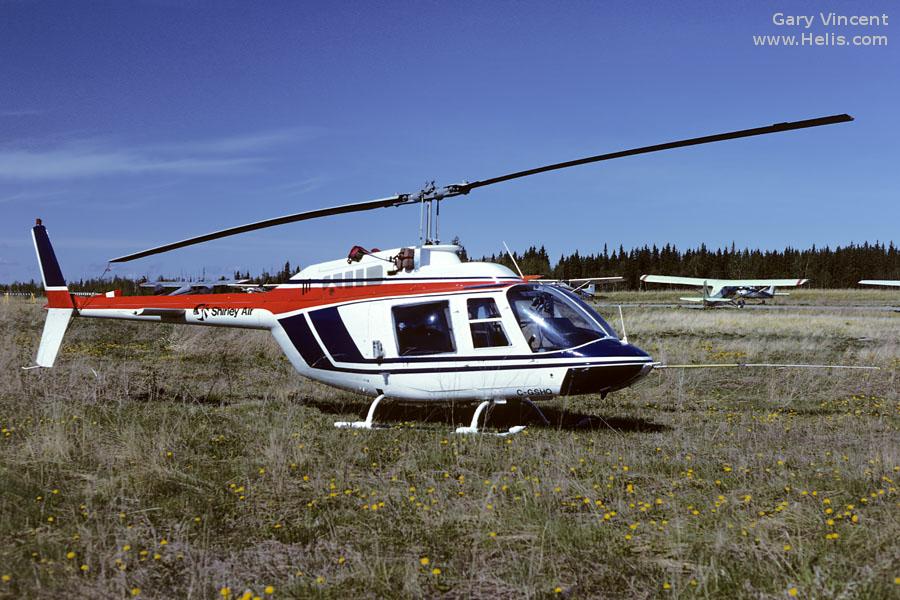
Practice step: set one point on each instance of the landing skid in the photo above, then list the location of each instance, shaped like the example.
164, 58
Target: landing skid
473, 427
370, 416
369, 422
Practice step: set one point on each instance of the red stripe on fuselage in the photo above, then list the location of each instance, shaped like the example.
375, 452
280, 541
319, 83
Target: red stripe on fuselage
279, 300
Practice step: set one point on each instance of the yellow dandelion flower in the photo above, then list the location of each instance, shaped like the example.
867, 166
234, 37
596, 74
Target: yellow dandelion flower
70, 555
424, 561
787, 547
557, 590
269, 590
225, 591
84, 568
135, 591
667, 586
435, 571
792, 592
320, 580
7, 578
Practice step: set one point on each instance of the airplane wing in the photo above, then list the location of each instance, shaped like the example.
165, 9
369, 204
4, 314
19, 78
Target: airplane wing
720, 283
696, 281
763, 282
882, 282
615, 278
582, 285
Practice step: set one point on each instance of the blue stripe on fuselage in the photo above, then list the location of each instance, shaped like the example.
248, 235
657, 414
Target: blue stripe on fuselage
340, 345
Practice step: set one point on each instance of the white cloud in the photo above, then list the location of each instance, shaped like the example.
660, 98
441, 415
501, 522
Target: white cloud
93, 158
70, 162
249, 142
25, 112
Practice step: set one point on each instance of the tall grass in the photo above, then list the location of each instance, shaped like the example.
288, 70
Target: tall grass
188, 462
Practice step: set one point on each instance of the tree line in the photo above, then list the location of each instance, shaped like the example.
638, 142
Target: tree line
840, 267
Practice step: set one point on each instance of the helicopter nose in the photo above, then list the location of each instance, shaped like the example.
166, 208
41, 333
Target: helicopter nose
605, 378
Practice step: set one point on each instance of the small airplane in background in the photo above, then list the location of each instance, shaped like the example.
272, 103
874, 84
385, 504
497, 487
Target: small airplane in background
881, 282
583, 286
728, 292
198, 287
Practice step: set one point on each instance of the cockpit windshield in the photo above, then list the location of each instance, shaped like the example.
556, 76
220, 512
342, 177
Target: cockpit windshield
553, 319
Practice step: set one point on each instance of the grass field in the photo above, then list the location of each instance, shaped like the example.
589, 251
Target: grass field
158, 462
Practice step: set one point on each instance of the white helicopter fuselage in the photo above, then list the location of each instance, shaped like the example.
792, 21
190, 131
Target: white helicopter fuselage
429, 328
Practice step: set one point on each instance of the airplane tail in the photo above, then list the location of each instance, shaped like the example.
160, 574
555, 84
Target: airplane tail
59, 301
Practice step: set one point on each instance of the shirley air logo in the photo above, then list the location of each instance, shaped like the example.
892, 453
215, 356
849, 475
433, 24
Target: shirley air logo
204, 311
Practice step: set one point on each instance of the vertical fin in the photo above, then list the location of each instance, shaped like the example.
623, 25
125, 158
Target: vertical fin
59, 302
54, 282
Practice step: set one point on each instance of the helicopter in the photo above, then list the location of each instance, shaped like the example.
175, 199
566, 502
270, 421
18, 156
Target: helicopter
413, 323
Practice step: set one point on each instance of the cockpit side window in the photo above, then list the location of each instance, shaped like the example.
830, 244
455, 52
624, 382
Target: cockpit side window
486, 324
423, 329
551, 320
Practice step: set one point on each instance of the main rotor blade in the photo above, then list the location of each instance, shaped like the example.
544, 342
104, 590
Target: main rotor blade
707, 139
464, 188
312, 214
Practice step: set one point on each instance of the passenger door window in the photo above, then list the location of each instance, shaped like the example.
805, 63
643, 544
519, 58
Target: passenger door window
486, 324
423, 329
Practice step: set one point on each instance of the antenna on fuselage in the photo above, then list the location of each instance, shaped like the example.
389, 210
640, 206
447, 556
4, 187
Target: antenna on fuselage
622, 322
513, 259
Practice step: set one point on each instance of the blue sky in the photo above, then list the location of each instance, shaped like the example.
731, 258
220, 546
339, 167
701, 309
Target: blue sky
126, 125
